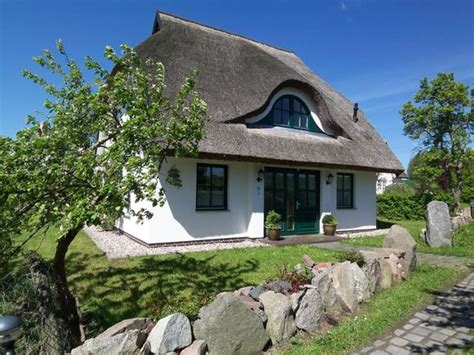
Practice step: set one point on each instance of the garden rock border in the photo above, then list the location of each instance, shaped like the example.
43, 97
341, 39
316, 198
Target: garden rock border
254, 318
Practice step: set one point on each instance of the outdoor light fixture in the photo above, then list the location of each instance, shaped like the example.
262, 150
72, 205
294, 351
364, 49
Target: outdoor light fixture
10, 330
260, 175
329, 180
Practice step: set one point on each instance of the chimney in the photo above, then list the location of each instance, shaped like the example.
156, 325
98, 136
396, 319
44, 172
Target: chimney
354, 115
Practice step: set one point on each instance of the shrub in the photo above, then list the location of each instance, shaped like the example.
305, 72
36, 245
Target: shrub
273, 220
353, 256
329, 219
402, 206
297, 276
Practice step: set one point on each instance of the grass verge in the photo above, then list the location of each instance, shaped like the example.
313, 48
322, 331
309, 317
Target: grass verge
380, 313
463, 240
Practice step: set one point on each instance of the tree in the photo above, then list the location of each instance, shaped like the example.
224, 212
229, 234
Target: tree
442, 117
100, 142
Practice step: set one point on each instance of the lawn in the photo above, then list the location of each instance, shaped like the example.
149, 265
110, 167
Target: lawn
463, 242
380, 313
155, 286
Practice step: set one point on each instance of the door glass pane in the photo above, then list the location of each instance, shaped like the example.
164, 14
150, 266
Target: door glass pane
311, 182
290, 201
268, 201
339, 182
279, 202
268, 181
279, 181
302, 203
312, 199
302, 181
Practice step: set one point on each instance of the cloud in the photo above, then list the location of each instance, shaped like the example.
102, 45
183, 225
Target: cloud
343, 6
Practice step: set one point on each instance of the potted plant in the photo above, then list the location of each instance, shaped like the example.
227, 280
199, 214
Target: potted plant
329, 224
272, 224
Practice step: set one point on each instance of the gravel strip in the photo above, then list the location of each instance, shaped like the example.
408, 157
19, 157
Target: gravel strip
116, 245
373, 233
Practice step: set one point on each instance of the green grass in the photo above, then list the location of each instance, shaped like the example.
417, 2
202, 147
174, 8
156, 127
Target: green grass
379, 313
156, 286
463, 241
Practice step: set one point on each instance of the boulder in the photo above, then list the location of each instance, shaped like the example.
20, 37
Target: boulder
277, 286
373, 271
169, 334
308, 261
122, 343
229, 327
295, 299
351, 284
254, 306
281, 323
386, 275
198, 347
310, 312
255, 292
332, 302
143, 324
395, 267
244, 291
438, 224
399, 238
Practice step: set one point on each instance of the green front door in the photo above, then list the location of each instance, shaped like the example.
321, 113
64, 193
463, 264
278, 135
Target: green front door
295, 195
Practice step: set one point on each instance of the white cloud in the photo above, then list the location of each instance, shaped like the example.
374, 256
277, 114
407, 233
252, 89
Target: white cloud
343, 6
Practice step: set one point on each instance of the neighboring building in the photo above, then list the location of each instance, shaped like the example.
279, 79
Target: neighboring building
278, 138
386, 179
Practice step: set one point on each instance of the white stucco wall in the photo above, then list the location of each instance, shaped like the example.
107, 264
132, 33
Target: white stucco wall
178, 220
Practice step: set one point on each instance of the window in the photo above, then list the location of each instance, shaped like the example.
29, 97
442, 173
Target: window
290, 111
211, 187
345, 190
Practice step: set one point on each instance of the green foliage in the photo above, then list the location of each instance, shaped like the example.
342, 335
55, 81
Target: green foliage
98, 142
399, 206
273, 220
352, 256
330, 220
400, 188
297, 276
442, 118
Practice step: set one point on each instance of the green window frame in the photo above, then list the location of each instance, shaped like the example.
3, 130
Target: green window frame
291, 112
345, 190
211, 187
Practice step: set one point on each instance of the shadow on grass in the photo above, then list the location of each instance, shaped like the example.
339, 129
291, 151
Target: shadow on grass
384, 224
150, 286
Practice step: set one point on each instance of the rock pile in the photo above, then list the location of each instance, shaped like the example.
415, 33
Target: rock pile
254, 318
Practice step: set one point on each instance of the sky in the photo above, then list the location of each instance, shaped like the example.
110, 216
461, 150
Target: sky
374, 52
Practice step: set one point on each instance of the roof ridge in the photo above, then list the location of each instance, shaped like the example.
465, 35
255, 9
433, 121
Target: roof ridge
225, 31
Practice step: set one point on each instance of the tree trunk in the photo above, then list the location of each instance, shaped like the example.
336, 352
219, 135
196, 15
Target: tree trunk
66, 299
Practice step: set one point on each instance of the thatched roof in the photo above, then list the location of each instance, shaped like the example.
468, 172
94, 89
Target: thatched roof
238, 77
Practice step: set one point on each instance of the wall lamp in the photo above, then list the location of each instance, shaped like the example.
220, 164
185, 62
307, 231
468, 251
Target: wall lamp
260, 175
329, 180
10, 330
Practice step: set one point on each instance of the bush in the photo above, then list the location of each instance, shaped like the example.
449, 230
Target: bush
401, 206
297, 276
330, 220
273, 220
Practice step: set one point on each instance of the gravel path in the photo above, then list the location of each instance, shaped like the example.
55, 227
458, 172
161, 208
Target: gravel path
116, 245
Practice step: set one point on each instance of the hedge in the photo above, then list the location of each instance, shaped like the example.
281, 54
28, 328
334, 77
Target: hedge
402, 206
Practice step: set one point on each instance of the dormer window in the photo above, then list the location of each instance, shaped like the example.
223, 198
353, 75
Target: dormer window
290, 111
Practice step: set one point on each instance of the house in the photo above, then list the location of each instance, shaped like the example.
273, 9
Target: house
279, 137
386, 179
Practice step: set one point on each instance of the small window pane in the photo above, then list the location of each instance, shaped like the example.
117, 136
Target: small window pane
218, 178
203, 196
296, 106
303, 110
285, 117
217, 196
303, 121
277, 116
203, 175
278, 104
347, 181
286, 104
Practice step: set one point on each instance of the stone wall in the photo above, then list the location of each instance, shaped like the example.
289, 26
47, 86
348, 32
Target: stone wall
255, 318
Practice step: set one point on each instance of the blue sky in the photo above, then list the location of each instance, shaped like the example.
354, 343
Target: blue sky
374, 52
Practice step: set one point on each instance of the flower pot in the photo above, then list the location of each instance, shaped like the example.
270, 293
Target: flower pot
329, 229
273, 234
